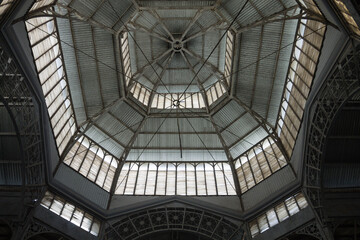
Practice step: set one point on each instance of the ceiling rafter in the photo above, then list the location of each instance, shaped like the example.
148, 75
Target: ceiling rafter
120, 75
204, 31
233, 121
123, 157
198, 81
109, 135
276, 17
276, 67
244, 136
160, 20
154, 89
119, 20
280, 145
141, 71
192, 22
257, 66
79, 17
148, 31
98, 78
263, 122
230, 160
213, 68
256, 8
78, 69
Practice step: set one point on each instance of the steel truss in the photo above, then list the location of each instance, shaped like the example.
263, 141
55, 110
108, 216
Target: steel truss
17, 97
197, 221
340, 85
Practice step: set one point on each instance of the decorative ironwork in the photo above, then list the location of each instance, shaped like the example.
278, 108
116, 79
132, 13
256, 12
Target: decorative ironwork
186, 219
309, 229
35, 228
17, 96
342, 83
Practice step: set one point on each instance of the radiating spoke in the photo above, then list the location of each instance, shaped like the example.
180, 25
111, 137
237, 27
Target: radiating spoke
148, 31
141, 71
158, 82
210, 65
203, 31
196, 17
154, 13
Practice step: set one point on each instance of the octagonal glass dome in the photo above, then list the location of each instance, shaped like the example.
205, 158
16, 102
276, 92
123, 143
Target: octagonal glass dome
187, 98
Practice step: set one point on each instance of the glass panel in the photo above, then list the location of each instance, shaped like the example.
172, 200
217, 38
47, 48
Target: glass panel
300, 199
271, 216
57, 205
86, 223
292, 206
281, 212
68, 211
77, 217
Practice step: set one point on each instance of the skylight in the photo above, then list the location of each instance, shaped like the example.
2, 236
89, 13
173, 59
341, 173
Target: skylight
47, 54
148, 81
71, 213
347, 16
116, 91
277, 214
91, 161
189, 179
309, 39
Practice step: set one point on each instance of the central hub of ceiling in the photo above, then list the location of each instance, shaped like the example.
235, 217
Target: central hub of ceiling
177, 45
177, 59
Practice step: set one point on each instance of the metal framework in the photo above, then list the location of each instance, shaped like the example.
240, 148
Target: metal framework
198, 221
146, 88
338, 87
18, 99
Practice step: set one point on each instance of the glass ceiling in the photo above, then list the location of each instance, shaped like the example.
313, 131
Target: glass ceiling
155, 102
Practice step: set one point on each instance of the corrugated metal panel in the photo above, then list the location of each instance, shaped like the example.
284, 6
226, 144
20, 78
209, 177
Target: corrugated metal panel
289, 3
177, 13
142, 40
172, 141
176, 26
271, 185
175, 155
127, 115
239, 129
105, 141
228, 114
170, 125
180, 76
82, 186
281, 71
85, 8
10, 174
113, 127
249, 141
105, 53
250, 43
105, 13
82, 34
267, 67
182, 4
146, 19
207, 19
71, 69
341, 175
249, 14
